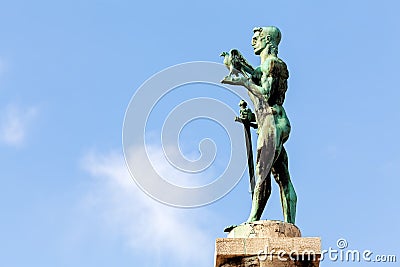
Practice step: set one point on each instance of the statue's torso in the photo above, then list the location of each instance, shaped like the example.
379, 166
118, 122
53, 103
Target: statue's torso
272, 74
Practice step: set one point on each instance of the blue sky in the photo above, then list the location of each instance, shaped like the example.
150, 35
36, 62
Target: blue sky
68, 70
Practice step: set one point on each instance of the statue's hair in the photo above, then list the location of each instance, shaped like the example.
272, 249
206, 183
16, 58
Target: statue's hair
275, 37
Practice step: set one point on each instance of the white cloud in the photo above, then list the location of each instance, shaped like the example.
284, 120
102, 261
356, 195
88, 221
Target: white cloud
174, 175
147, 226
14, 124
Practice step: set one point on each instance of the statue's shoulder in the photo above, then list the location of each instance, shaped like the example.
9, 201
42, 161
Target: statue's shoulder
271, 62
282, 63
275, 66
275, 60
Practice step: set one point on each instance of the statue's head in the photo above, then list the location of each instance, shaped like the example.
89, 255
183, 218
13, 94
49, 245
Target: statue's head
266, 38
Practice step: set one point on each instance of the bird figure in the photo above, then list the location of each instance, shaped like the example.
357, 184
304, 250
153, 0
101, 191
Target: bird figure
236, 63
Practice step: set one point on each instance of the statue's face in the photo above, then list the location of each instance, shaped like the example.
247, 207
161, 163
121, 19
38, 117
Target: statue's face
259, 42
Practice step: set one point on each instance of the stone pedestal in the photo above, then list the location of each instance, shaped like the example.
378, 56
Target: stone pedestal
267, 243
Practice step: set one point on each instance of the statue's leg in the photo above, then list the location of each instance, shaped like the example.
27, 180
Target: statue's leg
262, 190
261, 194
280, 170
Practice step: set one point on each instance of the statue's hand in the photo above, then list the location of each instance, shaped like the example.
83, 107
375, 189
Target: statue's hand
234, 80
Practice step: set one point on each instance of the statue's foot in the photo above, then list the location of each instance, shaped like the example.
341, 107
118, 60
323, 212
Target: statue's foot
229, 228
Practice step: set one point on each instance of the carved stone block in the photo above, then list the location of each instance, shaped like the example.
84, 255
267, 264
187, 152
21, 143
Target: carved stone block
267, 243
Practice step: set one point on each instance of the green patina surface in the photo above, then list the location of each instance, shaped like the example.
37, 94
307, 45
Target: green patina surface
266, 85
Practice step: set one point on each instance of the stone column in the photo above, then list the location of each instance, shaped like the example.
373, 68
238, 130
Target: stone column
267, 243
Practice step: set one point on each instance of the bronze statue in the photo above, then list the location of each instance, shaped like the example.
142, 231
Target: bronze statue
267, 85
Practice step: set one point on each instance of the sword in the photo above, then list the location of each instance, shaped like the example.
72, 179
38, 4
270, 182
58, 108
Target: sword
247, 121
